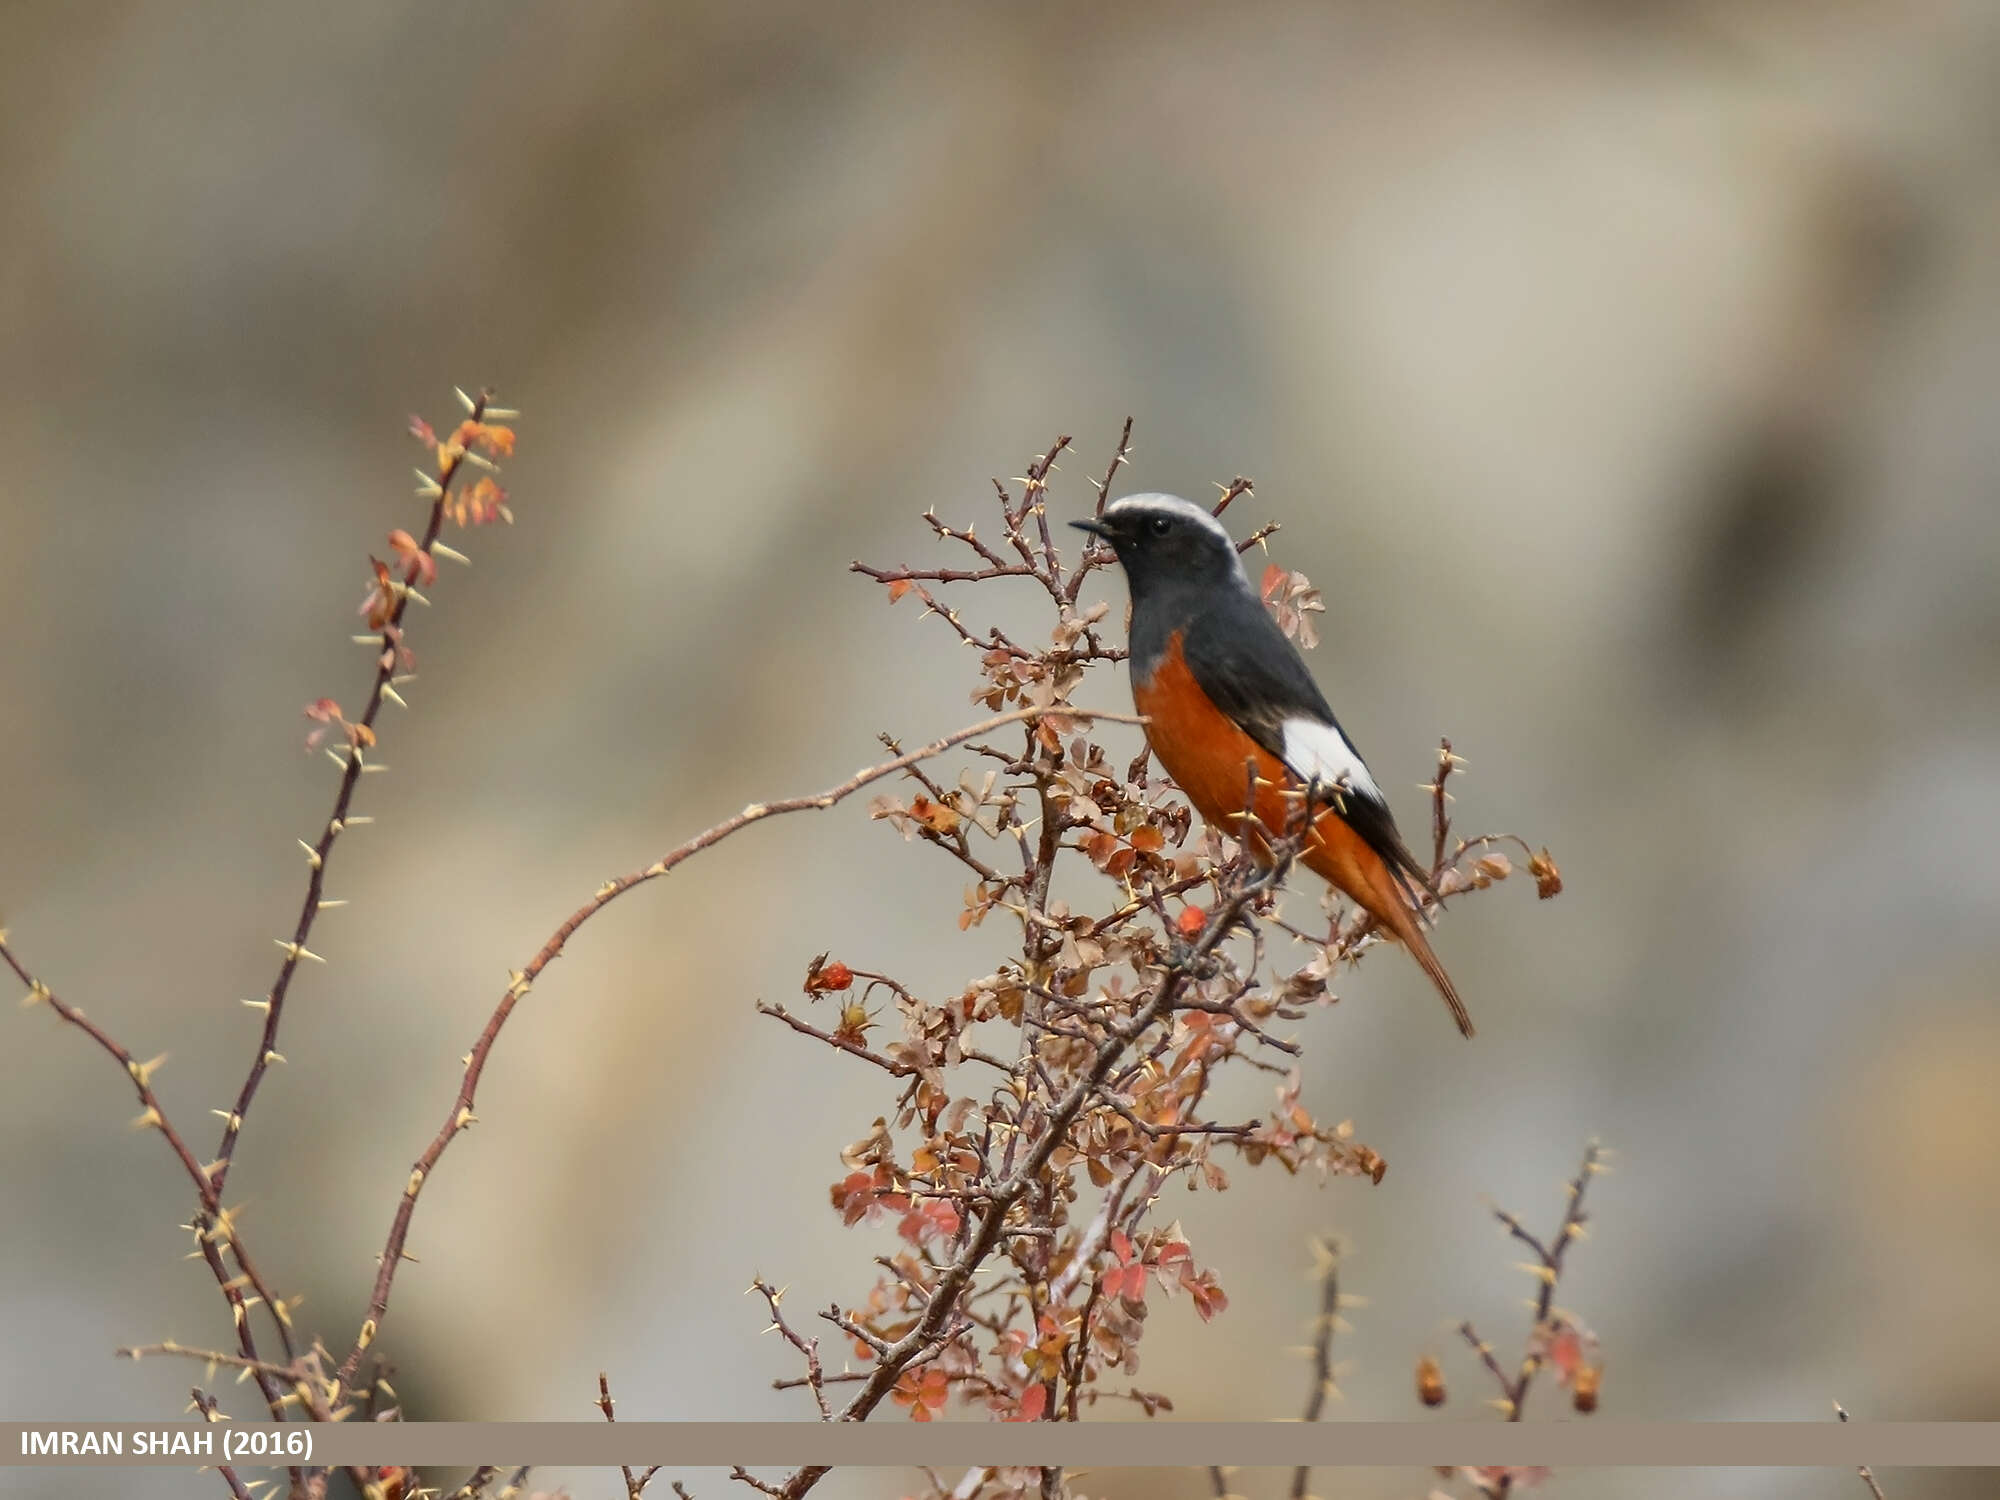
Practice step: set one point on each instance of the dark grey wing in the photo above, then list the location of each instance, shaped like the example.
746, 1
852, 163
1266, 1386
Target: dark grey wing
1251, 672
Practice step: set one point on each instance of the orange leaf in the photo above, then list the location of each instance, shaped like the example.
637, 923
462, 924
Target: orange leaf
498, 440
934, 815
418, 565
379, 607
484, 502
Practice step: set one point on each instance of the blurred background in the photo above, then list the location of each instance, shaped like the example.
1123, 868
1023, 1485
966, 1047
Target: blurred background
1622, 372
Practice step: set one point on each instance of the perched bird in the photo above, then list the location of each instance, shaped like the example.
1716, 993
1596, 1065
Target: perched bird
1236, 719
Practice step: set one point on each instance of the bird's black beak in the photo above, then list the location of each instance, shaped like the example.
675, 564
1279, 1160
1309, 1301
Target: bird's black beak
1096, 529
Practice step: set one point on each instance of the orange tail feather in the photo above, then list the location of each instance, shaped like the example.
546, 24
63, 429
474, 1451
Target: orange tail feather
1411, 935
1339, 855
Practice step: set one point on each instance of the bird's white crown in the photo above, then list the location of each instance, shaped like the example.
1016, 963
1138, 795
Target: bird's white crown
1172, 505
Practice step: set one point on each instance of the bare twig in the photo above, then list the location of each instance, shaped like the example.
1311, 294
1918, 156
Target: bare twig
1096, 554
1258, 537
1322, 1349
214, 1358
808, 1348
151, 1116
211, 1411
212, 1226
635, 1483
1867, 1474
1231, 493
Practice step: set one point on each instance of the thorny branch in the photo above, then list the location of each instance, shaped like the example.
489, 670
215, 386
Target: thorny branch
808, 1348
455, 457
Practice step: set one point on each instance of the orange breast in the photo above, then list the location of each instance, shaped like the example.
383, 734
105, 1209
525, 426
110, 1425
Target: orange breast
1214, 762
1209, 757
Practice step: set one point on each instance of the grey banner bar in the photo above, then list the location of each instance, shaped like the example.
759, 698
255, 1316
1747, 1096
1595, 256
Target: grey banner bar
1570, 1444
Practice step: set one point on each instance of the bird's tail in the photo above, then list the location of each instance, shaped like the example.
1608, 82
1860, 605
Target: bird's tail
1420, 949
1339, 854
1396, 907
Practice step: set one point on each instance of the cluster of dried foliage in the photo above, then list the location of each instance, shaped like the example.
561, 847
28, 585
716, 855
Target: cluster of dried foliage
1039, 1114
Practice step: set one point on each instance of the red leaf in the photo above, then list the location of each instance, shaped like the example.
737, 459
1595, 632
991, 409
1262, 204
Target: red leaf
854, 1197
825, 976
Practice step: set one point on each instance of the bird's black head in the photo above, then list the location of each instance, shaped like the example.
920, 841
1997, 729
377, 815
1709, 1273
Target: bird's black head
1167, 543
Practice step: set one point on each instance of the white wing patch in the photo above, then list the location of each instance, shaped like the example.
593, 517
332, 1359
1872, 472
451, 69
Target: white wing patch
1319, 751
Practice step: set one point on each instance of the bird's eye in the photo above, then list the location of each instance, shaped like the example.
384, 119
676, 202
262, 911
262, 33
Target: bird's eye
1160, 525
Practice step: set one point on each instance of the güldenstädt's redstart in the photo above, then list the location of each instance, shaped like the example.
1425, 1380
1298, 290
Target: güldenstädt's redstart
1236, 719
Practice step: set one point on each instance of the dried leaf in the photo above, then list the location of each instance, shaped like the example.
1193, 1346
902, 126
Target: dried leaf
1548, 879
